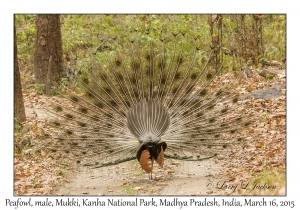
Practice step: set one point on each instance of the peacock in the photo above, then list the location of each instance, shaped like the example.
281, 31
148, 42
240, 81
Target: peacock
148, 101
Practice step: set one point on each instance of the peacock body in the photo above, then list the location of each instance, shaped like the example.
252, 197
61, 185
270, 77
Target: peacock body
147, 101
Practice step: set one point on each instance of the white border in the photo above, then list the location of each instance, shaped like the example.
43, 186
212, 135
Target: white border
150, 6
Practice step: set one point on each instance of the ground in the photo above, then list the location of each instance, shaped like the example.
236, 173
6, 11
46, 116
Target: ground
178, 178
257, 164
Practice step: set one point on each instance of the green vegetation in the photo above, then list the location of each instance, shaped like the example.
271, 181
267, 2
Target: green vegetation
273, 178
232, 40
61, 88
129, 190
40, 88
17, 126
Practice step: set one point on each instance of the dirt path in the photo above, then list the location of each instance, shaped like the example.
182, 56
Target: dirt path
189, 178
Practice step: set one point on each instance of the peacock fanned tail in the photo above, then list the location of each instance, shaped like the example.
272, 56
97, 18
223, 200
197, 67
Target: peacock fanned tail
147, 101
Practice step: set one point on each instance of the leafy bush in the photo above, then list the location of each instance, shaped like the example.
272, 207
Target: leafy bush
232, 40
40, 88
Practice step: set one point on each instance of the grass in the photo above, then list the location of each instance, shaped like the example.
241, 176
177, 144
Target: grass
269, 178
129, 190
17, 126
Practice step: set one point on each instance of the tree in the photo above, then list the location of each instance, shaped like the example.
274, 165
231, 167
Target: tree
19, 110
48, 50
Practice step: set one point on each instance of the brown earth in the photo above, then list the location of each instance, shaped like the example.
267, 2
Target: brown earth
177, 178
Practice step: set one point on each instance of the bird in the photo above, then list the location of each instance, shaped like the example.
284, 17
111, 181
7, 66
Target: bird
148, 101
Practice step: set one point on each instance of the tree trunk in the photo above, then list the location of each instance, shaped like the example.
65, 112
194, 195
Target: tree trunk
19, 110
48, 45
